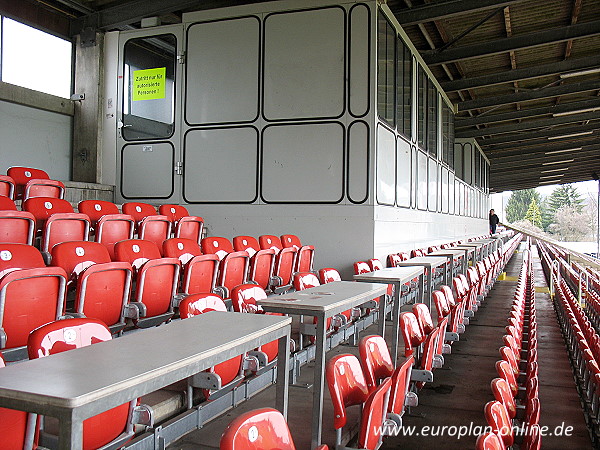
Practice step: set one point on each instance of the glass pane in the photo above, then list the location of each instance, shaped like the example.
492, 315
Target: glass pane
386, 53
421, 107
404, 84
477, 169
36, 60
149, 87
432, 119
422, 180
403, 173
433, 187
458, 161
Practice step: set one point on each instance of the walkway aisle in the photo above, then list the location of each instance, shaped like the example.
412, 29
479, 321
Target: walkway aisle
462, 387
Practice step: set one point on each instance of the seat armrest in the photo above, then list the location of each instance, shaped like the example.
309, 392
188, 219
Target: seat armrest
143, 414
134, 310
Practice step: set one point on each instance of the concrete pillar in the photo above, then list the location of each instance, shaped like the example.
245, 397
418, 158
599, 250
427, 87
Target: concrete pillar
87, 123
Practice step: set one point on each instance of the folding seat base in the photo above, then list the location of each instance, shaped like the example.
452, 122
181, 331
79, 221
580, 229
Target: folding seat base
148, 322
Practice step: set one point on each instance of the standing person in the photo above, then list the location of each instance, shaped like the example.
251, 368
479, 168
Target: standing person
493, 221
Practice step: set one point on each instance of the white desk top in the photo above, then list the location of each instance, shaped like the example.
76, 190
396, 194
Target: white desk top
430, 261
391, 274
448, 252
328, 299
127, 367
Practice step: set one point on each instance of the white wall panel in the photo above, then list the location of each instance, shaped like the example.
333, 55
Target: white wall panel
386, 166
298, 45
403, 173
303, 163
444, 189
358, 162
223, 60
432, 182
358, 79
34, 138
220, 165
422, 180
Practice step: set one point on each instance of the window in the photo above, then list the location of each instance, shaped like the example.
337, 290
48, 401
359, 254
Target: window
432, 119
421, 107
458, 161
404, 85
149, 94
477, 169
468, 163
448, 135
386, 64
35, 59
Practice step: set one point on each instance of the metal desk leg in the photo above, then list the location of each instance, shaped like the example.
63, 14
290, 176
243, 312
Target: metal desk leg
70, 435
381, 319
319, 382
395, 322
422, 288
429, 286
283, 374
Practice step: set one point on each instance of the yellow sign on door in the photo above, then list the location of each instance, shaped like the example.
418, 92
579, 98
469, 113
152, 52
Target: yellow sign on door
149, 84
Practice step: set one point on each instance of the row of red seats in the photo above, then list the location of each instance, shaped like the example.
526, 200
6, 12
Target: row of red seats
113, 428
21, 183
516, 404
53, 220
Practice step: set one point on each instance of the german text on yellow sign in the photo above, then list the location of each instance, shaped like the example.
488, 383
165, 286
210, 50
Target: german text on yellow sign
149, 84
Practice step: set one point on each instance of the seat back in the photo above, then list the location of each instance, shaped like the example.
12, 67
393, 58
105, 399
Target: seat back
44, 188
190, 227
327, 275
30, 298
95, 209
305, 280
6, 203
233, 270
505, 371
181, 248
112, 228
304, 258
157, 281
290, 240
17, 227
196, 304
19, 256
262, 265
200, 274
394, 260
347, 386
441, 305
154, 228
248, 244
7, 187
361, 267
74, 257
259, 429
497, 418
270, 241
136, 252
503, 394
489, 441
173, 212
219, 246
65, 227
375, 264
400, 386
285, 261
423, 316
411, 332
373, 417
244, 298
64, 335
44, 207
21, 175
375, 360
138, 210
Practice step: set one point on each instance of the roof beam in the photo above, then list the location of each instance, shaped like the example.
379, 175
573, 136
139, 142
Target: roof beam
525, 73
519, 42
550, 147
535, 135
525, 113
541, 155
528, 165
553, 91
528, 125
444, 10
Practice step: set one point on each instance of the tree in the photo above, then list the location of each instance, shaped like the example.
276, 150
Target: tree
571, 225
533, 214
565, 195
518, 204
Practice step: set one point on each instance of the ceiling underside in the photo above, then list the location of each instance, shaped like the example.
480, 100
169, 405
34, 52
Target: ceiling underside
524, 74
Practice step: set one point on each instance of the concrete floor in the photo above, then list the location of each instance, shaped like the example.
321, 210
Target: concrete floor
460, 389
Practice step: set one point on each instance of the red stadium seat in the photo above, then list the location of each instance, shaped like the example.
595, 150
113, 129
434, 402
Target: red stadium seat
271, 241
490, 441
6, 203
21, 175
64, 227
30, 298
305, 253
497, 418
113, 228
95, 209
259, 429
262, 262
17, 227
348, 387
19, 256
504, 395
43, 207
377, 366
305, 280
114, 426
102, 286
7, 187
328, 275
184, 225
44, 188
156, 280
200, 275
138, 210
155, 228
217, 245
181, 248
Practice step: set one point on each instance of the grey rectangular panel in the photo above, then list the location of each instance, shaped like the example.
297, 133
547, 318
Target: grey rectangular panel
386, 166
358, 161
220, 165
304, 64
403, 173
303, 163
147, 170
222, 81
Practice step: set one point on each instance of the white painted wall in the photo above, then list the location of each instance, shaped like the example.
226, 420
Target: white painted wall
35, 138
